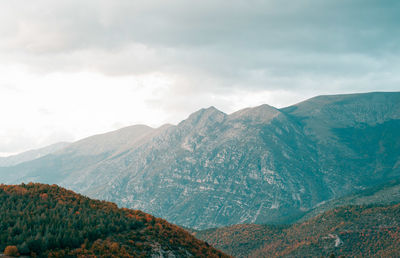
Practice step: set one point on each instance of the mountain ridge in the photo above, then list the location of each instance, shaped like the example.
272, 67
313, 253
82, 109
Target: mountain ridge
256, 165
29, 155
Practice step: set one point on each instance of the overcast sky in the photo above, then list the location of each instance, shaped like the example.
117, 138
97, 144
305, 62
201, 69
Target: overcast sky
74, 68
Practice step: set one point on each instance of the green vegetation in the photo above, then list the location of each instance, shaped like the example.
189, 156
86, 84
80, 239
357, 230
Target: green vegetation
239, 240
351, 231
387, 193
49, 221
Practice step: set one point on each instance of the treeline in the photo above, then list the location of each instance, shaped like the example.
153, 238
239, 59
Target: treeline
44, 220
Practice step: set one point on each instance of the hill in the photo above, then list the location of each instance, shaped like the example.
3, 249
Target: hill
258, 165
50, 221
350, 231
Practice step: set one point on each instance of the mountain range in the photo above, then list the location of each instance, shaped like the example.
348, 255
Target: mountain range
257, 165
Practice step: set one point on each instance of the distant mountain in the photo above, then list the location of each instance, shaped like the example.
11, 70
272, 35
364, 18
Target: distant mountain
72, 161
384, 194
49, 221
31, 155
257, 165
349, 231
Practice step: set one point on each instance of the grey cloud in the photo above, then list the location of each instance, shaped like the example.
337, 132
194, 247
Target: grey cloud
212, 49
252, 44
307, 25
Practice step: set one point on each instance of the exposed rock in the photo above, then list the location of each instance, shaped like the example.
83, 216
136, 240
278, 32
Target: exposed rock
258, 165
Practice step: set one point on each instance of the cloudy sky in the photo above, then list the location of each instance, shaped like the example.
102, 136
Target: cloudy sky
73, 68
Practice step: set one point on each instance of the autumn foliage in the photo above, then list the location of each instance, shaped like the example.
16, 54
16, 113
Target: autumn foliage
11, 250
49, 221
364, 231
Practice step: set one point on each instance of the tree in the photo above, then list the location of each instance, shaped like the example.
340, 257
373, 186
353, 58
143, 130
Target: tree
24, 249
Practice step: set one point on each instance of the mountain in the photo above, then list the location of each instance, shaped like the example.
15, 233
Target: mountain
348, 231
257, 165
387, 193
49, 221
72, 161
31, 155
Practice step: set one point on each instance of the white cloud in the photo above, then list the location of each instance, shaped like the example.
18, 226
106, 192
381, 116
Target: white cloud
72, 68
60, 106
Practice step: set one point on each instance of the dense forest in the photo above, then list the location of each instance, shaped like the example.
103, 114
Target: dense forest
350, 231
49, 221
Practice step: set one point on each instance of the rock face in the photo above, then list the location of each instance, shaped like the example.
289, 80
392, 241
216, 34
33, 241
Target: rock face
258, 165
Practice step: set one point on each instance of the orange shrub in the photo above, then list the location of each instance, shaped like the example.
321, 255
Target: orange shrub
44, 196
11, 250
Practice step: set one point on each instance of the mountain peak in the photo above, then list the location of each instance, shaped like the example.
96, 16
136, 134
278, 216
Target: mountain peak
205, 116
210, 111
260, 164
263, 114
211, 108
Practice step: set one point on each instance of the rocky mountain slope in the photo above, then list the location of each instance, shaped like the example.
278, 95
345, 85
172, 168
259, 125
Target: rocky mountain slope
349, 231
49, 221
31, 155
257, 165
385, 194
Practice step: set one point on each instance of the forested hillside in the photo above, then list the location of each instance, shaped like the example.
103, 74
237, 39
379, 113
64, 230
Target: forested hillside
51, 221
350, 231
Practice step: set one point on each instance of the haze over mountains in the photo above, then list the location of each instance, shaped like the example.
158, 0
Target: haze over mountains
31, 155
257, 165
